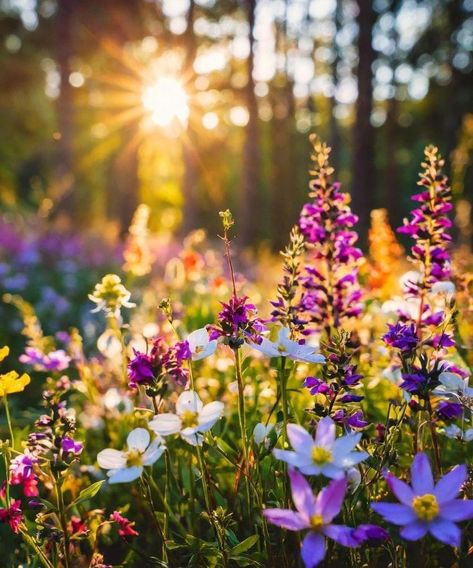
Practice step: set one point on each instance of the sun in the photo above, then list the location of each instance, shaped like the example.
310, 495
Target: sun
166, 101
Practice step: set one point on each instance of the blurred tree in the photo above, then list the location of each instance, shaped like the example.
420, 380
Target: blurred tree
251, 198
362, 184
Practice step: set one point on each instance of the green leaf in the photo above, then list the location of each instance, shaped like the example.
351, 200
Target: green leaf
245, 545
87, 493
48, 504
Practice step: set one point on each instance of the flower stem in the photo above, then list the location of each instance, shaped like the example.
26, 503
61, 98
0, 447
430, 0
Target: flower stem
242, 420
9, 422
31, 542
62, 518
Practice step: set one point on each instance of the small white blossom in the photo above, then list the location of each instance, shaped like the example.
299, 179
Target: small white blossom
191, 420
200, 345
261, 433
324, 455
286, 347
127, 465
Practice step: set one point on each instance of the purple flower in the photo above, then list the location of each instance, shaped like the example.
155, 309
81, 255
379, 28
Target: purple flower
449, 410
22, 465
429, 224
316, 514
52, 361
331, 288
402, 337
69, 445
427, 507
140, 370
237, 322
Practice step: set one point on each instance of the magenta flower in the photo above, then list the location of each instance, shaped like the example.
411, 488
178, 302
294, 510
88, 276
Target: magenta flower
140, 370
316, 514
52, 361
237, 323
427, 507
12, 515
69, 445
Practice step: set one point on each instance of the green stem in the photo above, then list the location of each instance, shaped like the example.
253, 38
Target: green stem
203, 474
62, 518
10, 427
31, 542
242, 420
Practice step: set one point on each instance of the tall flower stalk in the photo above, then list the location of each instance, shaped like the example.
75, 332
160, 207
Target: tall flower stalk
331, 289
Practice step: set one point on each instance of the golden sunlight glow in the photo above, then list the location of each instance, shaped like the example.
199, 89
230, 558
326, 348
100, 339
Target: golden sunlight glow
166, 101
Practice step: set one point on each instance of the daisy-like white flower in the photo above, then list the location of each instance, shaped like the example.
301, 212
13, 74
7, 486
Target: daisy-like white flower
286, 347
451, 383
425, 506
324, 455
200, 345
191, 420
127, 465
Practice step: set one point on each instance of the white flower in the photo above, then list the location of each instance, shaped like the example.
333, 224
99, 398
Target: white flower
286, 347
354, 479
324, 455
109, 345
191, 419
446, 288
261, 433
468, 435
128, 465
200, 344
453, 431
453, 384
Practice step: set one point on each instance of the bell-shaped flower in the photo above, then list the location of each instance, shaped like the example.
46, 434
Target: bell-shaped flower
324, 455
191, 419
127, 465
200, 344
286, 347
428, 507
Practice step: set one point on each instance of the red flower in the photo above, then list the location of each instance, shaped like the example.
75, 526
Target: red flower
13, 515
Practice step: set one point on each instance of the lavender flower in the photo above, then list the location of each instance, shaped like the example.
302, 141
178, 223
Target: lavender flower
331, 289
427, 507
402, 337
52, 361
316, 514
325, 455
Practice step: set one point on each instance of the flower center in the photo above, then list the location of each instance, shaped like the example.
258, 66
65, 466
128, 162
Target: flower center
316, 522
198, 349
426, 507
133, 458
281, 348
321, 456
189, 419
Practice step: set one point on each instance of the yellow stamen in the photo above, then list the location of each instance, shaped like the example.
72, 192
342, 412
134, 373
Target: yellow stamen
426, 507
133, 458
316, 522
189, 419
321, 456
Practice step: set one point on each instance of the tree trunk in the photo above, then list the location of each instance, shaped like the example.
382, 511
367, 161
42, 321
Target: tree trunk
190, 182
251, 201
334, 138
65, 110
363, 141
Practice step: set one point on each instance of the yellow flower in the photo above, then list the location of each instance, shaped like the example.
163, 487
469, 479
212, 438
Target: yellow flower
11, 382
4, 351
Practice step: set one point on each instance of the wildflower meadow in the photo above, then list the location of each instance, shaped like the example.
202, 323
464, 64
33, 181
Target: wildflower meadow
185, 406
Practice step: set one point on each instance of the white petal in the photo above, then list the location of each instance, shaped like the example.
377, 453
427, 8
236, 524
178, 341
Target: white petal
188, 400
198, 338
138, 439
154, 452
344, 445
165, 424
209, 415
292, 458
125, 475
208, 350
300, 439
193, 439
261, 431
268, 348
111, 459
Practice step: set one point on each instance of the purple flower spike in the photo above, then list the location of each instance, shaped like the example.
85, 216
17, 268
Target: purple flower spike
316, 513
425, 507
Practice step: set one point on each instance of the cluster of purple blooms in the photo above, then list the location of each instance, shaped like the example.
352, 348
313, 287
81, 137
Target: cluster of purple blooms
429, 224
331, 288
53, 361
339, 377
162, 363
237, 323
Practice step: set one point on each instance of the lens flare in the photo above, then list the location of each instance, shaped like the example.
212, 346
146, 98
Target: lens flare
166, 101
